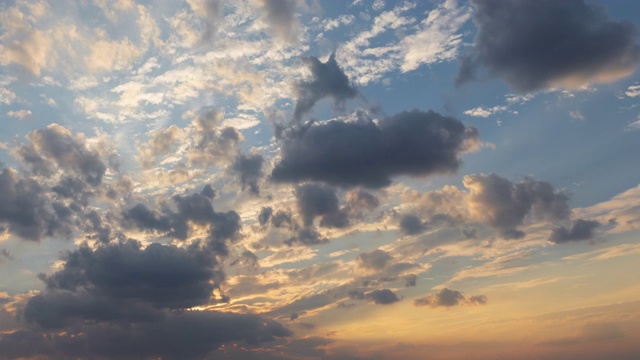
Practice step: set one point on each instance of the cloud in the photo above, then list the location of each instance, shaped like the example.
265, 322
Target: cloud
374, 260
281, 17
449, 298
193, 209
552, 43
437, 39
411, 225
55, 147
579, 230
367, 153
213, 144
485, 112
382, 297
121, 299
633, 91
327, 80
315, 200
249, 169
20, 114
503, 204
28, 212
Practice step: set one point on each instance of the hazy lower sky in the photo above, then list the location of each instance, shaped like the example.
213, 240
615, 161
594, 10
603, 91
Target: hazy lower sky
307, 179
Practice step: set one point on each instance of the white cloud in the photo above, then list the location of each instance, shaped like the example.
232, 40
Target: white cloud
438, 38
20, 114
577, 115
485, 112
7, 96
633, 91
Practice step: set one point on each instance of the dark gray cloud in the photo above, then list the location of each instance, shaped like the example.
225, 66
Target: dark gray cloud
176, 222
27, 211
410, 280
535, 45
382, 297
56, 148
213, 144
374, 260
369, 153
504, 205
249, 169
328, 80
411, 225
318, 200
265, 215
181, 335
579, 230
121, 300
448, 298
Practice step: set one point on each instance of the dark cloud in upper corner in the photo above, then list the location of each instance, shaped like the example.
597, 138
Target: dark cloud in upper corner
579, 230
382, 297
539, 44
369, 153
448, 298
328, 80
249, 169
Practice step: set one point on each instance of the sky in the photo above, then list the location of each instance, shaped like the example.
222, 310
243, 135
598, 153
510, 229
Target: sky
306, 179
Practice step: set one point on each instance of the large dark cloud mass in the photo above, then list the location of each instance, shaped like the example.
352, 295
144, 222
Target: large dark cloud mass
538, 44
579, 230
369, 153
122, 300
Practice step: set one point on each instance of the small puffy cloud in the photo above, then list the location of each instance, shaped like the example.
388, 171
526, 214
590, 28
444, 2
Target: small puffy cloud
525, 43
449, 298
249, 169
577, 115
7, 96
579, 230
315, 200
633, 91
485, 112
412, 225
374, 260
20, 114
382, 297
369, 153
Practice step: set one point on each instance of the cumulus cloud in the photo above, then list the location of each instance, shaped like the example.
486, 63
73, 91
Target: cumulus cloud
504, 205
317, 200
213, 144
56, 148
374, 260
542, 44
20, 114
382, 297
188, 210
327, 80
369, 153
449, 298
500, 203
249, 169
485, 112
633, 91
578, 231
